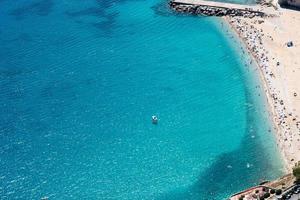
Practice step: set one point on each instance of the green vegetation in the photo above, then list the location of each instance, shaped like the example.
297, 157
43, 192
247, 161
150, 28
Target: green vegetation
272, 191
267, 195
278, 192
296, 171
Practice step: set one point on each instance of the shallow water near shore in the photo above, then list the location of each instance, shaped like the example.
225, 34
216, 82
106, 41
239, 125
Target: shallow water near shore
80, 81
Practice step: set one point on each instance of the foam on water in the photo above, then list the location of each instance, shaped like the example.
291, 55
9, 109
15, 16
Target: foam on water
80, 81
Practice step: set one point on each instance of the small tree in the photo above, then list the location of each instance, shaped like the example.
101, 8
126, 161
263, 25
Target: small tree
278, 192
267, 195
296, 171
272, 191
297, 182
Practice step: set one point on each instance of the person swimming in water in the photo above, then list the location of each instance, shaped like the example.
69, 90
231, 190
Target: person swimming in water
154, 119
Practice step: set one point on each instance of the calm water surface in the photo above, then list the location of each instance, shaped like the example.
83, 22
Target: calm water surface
79, 82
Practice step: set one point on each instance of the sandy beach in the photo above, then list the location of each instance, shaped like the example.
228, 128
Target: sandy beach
266, 40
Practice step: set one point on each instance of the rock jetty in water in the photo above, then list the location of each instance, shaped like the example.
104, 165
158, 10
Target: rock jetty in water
207, 10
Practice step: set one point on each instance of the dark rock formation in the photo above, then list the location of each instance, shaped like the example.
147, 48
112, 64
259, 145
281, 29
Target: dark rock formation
213, 11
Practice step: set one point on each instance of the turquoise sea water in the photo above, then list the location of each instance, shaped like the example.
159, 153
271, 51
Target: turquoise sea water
80, 80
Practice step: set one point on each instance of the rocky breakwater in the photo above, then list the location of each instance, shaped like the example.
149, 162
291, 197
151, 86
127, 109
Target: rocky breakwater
207, 10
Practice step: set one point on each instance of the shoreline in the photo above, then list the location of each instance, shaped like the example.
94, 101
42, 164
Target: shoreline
272, 42
262, 81
252, 34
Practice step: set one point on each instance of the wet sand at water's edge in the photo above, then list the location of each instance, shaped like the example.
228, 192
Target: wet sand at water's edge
266, 40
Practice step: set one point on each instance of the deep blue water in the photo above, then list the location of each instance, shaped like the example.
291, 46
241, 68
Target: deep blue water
80, 80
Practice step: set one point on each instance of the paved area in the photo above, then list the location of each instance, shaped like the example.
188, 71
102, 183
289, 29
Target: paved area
295, 197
